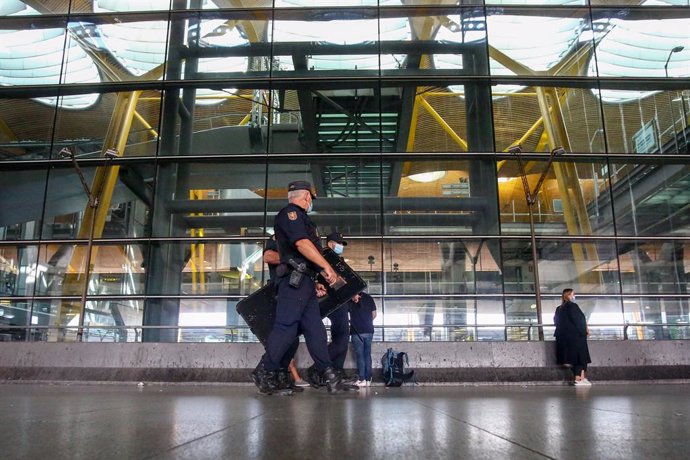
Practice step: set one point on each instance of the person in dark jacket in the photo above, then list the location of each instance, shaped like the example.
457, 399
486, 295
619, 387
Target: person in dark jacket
362, 314
571, 337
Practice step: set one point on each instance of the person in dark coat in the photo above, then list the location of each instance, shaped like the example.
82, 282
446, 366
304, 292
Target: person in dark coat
571, 337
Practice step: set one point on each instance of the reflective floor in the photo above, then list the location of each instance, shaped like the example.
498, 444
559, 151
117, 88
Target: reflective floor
229, 422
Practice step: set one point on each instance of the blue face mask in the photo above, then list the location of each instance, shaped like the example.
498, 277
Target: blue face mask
339, 248
311, 207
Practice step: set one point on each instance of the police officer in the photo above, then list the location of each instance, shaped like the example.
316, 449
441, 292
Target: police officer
340, 325
301, 260
272, 259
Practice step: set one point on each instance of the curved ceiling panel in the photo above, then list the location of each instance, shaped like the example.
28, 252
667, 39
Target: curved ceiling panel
35, 57
642, 49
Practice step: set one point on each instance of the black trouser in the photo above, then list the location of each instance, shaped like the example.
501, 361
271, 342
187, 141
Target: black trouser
297, 309
340, 337
578, 368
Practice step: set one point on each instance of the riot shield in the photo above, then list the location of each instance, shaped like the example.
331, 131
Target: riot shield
259, 309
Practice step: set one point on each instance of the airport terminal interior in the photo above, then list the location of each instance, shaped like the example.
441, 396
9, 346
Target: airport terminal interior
478, 156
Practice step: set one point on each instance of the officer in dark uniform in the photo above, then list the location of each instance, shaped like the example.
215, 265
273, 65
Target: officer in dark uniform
272, 259
340, 325
298, 309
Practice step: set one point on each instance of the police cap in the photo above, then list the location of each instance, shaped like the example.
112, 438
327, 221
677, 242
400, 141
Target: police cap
301, 185
337, 237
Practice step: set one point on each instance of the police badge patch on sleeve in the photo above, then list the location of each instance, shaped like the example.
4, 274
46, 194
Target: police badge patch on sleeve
292, 215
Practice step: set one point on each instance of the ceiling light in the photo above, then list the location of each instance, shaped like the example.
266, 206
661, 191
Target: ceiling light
427, 176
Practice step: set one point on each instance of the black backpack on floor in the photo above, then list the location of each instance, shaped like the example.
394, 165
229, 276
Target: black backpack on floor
393, 368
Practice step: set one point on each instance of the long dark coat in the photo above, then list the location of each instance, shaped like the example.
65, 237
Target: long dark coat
571, 335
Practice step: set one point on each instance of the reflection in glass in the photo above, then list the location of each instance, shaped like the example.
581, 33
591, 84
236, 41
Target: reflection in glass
442, 197
588, 266
19, 270
644, 312
449, 319
651, 199
573, 200
442, 267
653, 267
207, 267
348, 192
122, 209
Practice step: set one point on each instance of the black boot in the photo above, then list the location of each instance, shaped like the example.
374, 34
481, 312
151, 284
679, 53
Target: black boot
333, 380
347, 382
270, 384
314, 377
285, 383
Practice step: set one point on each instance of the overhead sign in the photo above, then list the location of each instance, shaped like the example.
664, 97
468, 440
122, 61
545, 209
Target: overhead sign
646, 139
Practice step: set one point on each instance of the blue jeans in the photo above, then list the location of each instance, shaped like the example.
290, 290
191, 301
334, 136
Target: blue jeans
362, 348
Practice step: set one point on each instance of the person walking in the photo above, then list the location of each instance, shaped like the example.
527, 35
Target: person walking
571, 337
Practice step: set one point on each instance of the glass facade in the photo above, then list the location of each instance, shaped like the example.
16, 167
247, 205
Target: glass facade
146, 146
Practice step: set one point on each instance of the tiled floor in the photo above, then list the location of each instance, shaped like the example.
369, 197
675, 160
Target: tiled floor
232, 422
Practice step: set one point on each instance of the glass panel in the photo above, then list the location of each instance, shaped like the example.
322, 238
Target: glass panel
31, 54
651, 199
574, 198
128, 5
28, 188
16, 313
518, 272
364, 256
85, 132
232, 46
348, 193
212, 199
333, 117
536, 39
441, 197
109, 320
124, 47
207, 267
122, 211
19, 8
537, 2
442, 267
588, 266
26, 127
651, 267
206, 320
645, 121
19, 270
644, 312
642, 43
519, 117
521, 315
450, 319
662, 3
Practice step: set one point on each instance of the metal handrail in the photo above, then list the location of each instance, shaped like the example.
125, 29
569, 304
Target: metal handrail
504, 326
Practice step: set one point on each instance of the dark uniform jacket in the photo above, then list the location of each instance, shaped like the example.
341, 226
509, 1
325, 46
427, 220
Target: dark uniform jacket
291, 225
571, 335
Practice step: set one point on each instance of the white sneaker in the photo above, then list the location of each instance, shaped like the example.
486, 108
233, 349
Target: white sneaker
361, 383
368, 383
583, 383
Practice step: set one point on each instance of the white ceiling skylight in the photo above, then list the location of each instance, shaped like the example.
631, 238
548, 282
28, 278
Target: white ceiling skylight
141, 46
640, 49
537, 42
346, 30
35, 57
